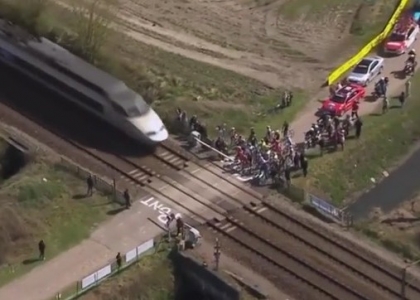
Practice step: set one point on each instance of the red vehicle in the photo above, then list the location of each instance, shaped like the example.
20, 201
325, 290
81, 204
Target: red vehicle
343, 99
403, 35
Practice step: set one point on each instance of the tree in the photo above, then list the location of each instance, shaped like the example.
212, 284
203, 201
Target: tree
93, 21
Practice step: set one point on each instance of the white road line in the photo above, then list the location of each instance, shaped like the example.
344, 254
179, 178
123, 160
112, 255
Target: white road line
231, 229
225, 226
262, 209
133, 171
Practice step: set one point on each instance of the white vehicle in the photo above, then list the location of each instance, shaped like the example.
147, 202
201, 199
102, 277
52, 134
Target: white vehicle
366, 70
83, 84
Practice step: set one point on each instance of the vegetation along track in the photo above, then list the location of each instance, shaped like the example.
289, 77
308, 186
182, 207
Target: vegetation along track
273, 242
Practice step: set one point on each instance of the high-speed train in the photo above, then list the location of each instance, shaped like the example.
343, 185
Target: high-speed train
80, 82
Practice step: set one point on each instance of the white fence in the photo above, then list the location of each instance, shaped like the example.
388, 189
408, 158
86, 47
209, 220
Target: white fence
93, 279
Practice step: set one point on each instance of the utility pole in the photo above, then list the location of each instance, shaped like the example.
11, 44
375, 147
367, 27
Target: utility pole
404, 278
217, 253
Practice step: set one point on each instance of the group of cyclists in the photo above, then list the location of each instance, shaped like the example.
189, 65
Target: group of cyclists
268, 158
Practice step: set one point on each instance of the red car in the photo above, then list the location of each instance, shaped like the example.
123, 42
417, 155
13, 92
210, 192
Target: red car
343, 99
403, 36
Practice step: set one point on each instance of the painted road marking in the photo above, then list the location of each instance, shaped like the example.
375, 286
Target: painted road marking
225, 226
137, 174
231, 229
262, 209
159, 207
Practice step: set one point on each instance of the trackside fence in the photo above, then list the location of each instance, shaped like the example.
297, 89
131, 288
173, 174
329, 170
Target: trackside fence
330, 211
111, 268
107, 187
297, 194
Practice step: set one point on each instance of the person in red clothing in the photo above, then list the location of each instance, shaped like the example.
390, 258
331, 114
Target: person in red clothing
355, 109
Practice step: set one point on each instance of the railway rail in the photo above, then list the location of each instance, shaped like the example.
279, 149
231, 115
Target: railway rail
279, 245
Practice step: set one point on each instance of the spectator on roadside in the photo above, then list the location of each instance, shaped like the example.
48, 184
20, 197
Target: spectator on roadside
119, 260
402, 98
408, 88
304, 163
89, 183
41, 248
358, 126
179, 226
127, 199
355, 110
287, 177
285, 129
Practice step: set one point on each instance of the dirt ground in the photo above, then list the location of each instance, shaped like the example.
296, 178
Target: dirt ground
289, 43
399, 230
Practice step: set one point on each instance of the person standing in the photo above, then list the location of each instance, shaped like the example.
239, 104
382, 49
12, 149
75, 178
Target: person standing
287, 177
304, 164
402, 98
118, 260
408, 88
285, 129
127, 199
358, 126
41, 248
355, 109
89, 183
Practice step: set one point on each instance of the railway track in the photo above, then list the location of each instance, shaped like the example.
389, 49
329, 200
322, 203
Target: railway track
351, 274
279, 245
285, 245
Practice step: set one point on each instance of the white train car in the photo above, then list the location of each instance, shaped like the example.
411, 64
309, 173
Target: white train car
78, 81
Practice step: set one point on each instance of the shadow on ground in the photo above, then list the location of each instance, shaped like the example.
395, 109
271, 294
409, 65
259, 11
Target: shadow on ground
400, 220
116, 211
30, 261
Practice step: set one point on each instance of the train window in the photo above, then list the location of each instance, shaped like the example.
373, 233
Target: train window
62, 86
83, 98
133, 112
80, 79
119, 109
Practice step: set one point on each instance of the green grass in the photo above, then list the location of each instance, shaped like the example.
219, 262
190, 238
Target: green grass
384, 140
215, 95
150, 278
38, 203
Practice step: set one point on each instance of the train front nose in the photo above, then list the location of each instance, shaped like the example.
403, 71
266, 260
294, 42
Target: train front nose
151, 127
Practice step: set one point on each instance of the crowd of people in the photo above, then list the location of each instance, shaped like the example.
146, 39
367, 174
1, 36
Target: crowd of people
274, 156
270, 157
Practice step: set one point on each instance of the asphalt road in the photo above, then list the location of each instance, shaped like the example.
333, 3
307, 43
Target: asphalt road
400, 186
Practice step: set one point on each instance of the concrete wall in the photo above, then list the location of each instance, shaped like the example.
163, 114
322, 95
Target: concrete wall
199, 282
